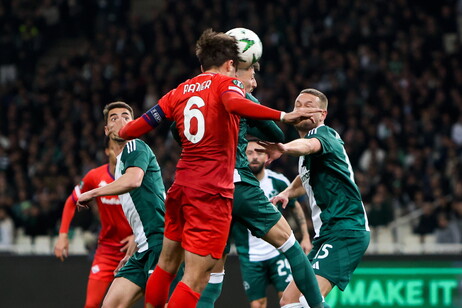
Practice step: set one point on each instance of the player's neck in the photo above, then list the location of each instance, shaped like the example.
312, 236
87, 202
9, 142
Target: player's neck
260, 175
119, 147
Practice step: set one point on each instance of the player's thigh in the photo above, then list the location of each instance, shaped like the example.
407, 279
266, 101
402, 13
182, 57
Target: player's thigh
252, 208
140, 266
279, 272
336, 257
254, 278
122, 293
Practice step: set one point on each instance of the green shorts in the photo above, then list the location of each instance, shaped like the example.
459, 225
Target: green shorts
336, 256
252, 209
258, 275
140, 266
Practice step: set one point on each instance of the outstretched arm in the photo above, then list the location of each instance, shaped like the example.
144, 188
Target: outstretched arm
132, 179
298, 147
294, 190
236, 104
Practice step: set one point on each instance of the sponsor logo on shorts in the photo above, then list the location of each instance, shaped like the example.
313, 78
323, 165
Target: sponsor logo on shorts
95, 269
246, 285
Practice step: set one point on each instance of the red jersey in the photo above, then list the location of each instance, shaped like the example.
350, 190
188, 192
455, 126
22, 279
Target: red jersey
207, 130
114, 224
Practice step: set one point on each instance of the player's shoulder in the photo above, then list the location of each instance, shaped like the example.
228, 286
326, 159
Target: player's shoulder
97, 173
276, 176
135, 145
323, 130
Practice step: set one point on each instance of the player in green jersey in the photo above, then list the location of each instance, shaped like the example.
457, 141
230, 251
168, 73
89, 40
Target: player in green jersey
326, 176
138, 182
261, 263
252, 208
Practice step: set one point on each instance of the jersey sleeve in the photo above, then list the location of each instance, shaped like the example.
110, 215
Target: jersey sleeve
135, 154
231, 85
324, 136
165, 103
86, 184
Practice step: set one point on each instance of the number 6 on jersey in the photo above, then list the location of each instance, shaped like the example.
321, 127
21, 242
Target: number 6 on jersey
194, 113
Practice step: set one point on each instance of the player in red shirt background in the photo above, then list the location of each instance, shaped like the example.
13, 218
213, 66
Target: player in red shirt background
206, 109
115, 241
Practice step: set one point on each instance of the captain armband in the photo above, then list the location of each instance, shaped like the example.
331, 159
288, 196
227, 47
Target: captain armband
154, 116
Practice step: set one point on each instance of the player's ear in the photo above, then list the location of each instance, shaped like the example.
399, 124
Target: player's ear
106, 130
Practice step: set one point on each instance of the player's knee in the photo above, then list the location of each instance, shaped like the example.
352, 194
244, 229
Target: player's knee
258, 303
285, 300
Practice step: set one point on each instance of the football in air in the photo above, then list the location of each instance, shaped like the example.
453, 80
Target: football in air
250, 46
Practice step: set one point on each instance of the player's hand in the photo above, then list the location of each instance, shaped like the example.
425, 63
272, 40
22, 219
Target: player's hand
274, 150
129, 245
62, 247
84, 200
297, 116
121, 264
306, 245
281, 198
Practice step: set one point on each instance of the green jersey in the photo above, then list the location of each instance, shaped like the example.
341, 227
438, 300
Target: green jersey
143, 206
265, 130
252, 247
328, 178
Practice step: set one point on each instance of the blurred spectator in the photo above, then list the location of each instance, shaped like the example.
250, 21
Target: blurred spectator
427, 223
447, 230
6, 230
372, 156
380, 210
394, 85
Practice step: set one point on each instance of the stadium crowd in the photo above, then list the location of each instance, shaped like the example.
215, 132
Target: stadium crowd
392, 71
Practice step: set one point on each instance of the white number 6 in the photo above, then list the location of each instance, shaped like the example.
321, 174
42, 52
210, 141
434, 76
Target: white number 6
194, 113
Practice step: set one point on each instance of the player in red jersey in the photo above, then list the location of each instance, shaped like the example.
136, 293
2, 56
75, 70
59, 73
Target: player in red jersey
206, 109
115, 241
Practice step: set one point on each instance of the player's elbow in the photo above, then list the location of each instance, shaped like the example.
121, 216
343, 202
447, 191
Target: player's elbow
135, 183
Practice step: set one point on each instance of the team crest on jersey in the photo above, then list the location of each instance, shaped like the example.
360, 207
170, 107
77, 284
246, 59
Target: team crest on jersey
238, 83
102, 184
95, 269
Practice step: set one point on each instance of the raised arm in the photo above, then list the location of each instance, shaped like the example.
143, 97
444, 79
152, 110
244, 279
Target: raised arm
236, 104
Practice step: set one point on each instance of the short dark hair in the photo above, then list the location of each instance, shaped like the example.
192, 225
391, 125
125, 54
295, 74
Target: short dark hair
215, 48
114, 105
322, 97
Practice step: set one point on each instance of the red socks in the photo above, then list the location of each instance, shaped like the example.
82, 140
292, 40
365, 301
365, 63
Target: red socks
157, 288
183, 297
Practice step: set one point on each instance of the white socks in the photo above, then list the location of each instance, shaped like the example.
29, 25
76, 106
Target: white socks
289, 243
217, 277
293, 305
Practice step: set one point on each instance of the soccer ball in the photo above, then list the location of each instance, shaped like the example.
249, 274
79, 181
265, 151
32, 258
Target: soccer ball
250, 46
